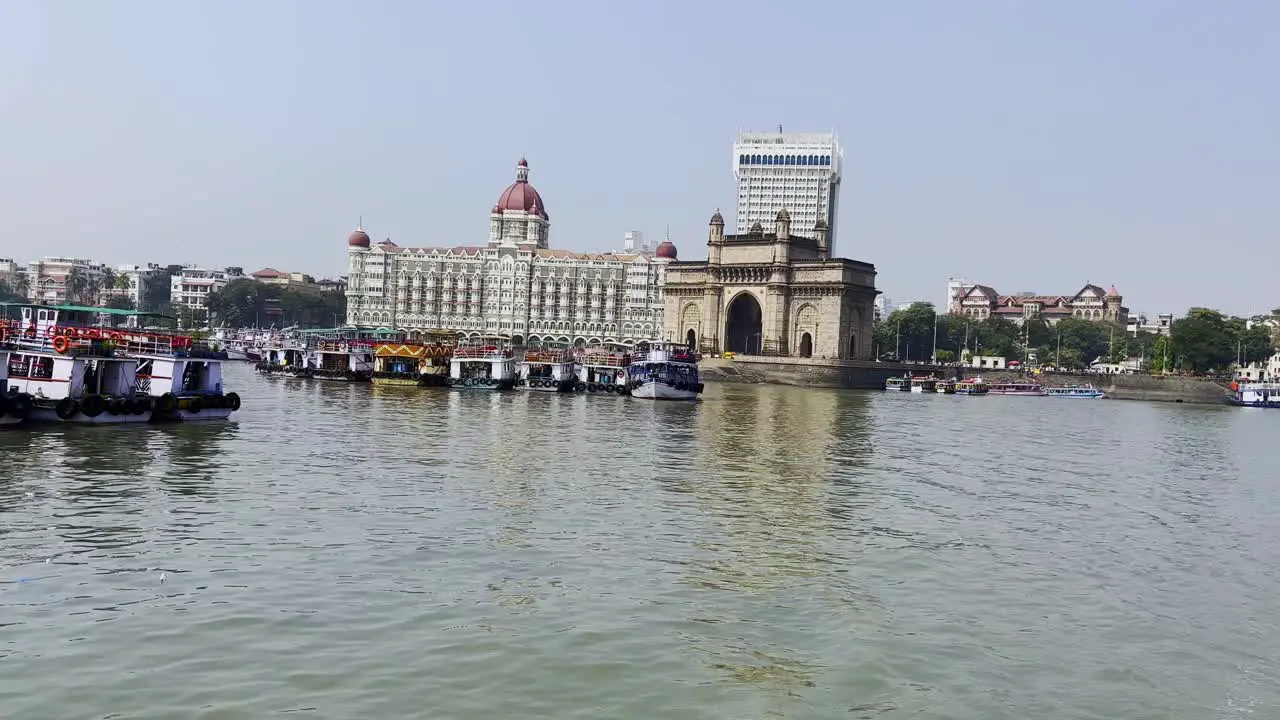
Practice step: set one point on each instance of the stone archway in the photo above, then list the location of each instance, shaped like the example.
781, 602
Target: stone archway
743, 331
853, 346
691, 340
806, 345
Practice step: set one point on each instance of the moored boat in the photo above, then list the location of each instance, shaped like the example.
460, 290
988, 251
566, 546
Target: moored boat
664, 372
1016, 388
1255, 394
546, 370
182, 375
603, 370
344, 360
924, 385
898, 383
483, 364
947, 387
972, 386
1074, 391
291, 360
15, 407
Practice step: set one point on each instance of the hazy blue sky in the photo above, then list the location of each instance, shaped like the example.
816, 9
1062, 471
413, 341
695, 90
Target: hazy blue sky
1031, 146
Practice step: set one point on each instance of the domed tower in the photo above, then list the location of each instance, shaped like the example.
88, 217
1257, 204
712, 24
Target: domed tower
1113, 306
820, 236
715, 238
782, 237
666, 249
357, 248
520, 217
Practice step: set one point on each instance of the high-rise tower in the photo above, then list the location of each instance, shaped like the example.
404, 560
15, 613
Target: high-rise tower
796, 172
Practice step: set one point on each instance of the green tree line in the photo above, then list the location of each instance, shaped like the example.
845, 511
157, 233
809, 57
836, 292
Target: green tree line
1202, 341
245, 302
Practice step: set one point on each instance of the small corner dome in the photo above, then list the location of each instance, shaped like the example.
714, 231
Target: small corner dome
1113, 292
756, 228
821, 224
666, 249
717, 219
359, 238
783, 214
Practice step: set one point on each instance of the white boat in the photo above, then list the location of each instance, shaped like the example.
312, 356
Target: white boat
291, 360
1074, 391
74, 374
902, 384
603, 370
184, 377
346, 360
1256, 394
662, 372
483, 364
546, 370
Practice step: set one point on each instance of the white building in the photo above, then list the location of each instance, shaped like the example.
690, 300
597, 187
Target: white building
59, 280
798, 172
633, 241
883, 306
1139, 323
147, 286
514, 285
956, 288
190, 289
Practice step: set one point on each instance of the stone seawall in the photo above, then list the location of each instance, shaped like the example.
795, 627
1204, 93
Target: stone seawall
855, 374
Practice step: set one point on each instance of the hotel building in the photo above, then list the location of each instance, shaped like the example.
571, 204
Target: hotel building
796, 172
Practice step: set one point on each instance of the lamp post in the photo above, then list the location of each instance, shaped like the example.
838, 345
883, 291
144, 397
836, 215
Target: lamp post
933, 359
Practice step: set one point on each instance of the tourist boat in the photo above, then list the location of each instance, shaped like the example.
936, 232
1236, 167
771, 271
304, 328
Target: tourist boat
290, 360
603, 370
972, 386
73, 374
344, 360
664, 372
947, 387
184, 376
1016, 388
399, 363
924, 385
1074, 391
483, 364
1255, 394
898, 383
435, 366
546, 370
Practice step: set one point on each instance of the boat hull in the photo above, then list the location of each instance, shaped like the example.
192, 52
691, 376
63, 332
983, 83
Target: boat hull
661, 391
9, 421
599, 389
1085, 396
1260, 404
409, 382
181, 415
49, 415
479, 384
1017, 393
544, 385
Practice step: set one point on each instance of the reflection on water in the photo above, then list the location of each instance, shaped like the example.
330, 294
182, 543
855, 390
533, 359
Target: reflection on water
767, 552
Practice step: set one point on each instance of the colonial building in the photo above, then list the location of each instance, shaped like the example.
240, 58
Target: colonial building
516, 284
772, 294
1089, 303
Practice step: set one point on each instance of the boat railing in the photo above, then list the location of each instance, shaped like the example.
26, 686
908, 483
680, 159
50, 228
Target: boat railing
547, 356
481, 352
665, 355
111, 342
599, 358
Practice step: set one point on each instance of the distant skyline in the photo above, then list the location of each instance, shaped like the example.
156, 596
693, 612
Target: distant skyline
1026, 146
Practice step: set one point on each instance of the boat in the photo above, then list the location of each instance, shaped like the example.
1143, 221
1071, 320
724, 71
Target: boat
1256, 394
972, 386
484, 363
73, 374
181, 374
546, 370
1016, 388
342, 359
898, 383
292, 360
1074, 391
924, 385
947, 387
603, 369
398, 363
664, 372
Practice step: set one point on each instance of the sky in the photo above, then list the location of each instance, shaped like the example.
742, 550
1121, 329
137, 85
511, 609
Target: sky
1030, 146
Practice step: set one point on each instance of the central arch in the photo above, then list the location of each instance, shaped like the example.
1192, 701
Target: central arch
691, 340
806, 345
743, 331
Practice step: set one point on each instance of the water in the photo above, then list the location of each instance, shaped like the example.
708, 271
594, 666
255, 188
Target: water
348, 551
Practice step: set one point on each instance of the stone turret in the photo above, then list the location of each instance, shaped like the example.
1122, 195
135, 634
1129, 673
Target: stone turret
820, 235
715, 238
782, 233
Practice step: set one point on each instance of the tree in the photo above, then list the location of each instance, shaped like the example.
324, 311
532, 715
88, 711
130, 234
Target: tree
1202, 341
244, 302
120, 302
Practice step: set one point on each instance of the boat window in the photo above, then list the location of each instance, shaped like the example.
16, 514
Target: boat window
17, 366
41, 368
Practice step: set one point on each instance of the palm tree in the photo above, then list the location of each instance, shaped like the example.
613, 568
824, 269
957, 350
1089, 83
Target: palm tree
77, 284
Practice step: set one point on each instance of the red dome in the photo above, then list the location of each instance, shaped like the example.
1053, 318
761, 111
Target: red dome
666, 249
359, 238
520, 195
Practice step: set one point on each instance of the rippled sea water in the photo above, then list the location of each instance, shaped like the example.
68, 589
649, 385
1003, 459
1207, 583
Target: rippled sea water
364, 552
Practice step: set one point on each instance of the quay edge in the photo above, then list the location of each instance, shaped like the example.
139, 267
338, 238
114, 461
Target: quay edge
868, 375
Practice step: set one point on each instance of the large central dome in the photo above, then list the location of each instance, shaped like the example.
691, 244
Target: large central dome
520, 195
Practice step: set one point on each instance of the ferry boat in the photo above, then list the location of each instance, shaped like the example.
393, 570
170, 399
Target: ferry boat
398, 363
1017, 388
290, 360
183, 376
1256, 394
483, 364
546, 370
603, 370
73, 374
344, 360
972, 386
898, 383
1074, 391
664, 372
947, 387
924, 385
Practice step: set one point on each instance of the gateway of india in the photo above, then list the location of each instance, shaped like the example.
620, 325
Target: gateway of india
772, 294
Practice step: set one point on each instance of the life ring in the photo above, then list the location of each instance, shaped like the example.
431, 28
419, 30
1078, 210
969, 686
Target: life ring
167, 403
233, 401
51, 331
93, 405
61, 344
66, 408
20, 406
92, 334
115, 336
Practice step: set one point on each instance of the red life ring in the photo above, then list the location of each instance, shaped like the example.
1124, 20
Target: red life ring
92, 333
51, 331
115, 336
61, 344
71, 331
